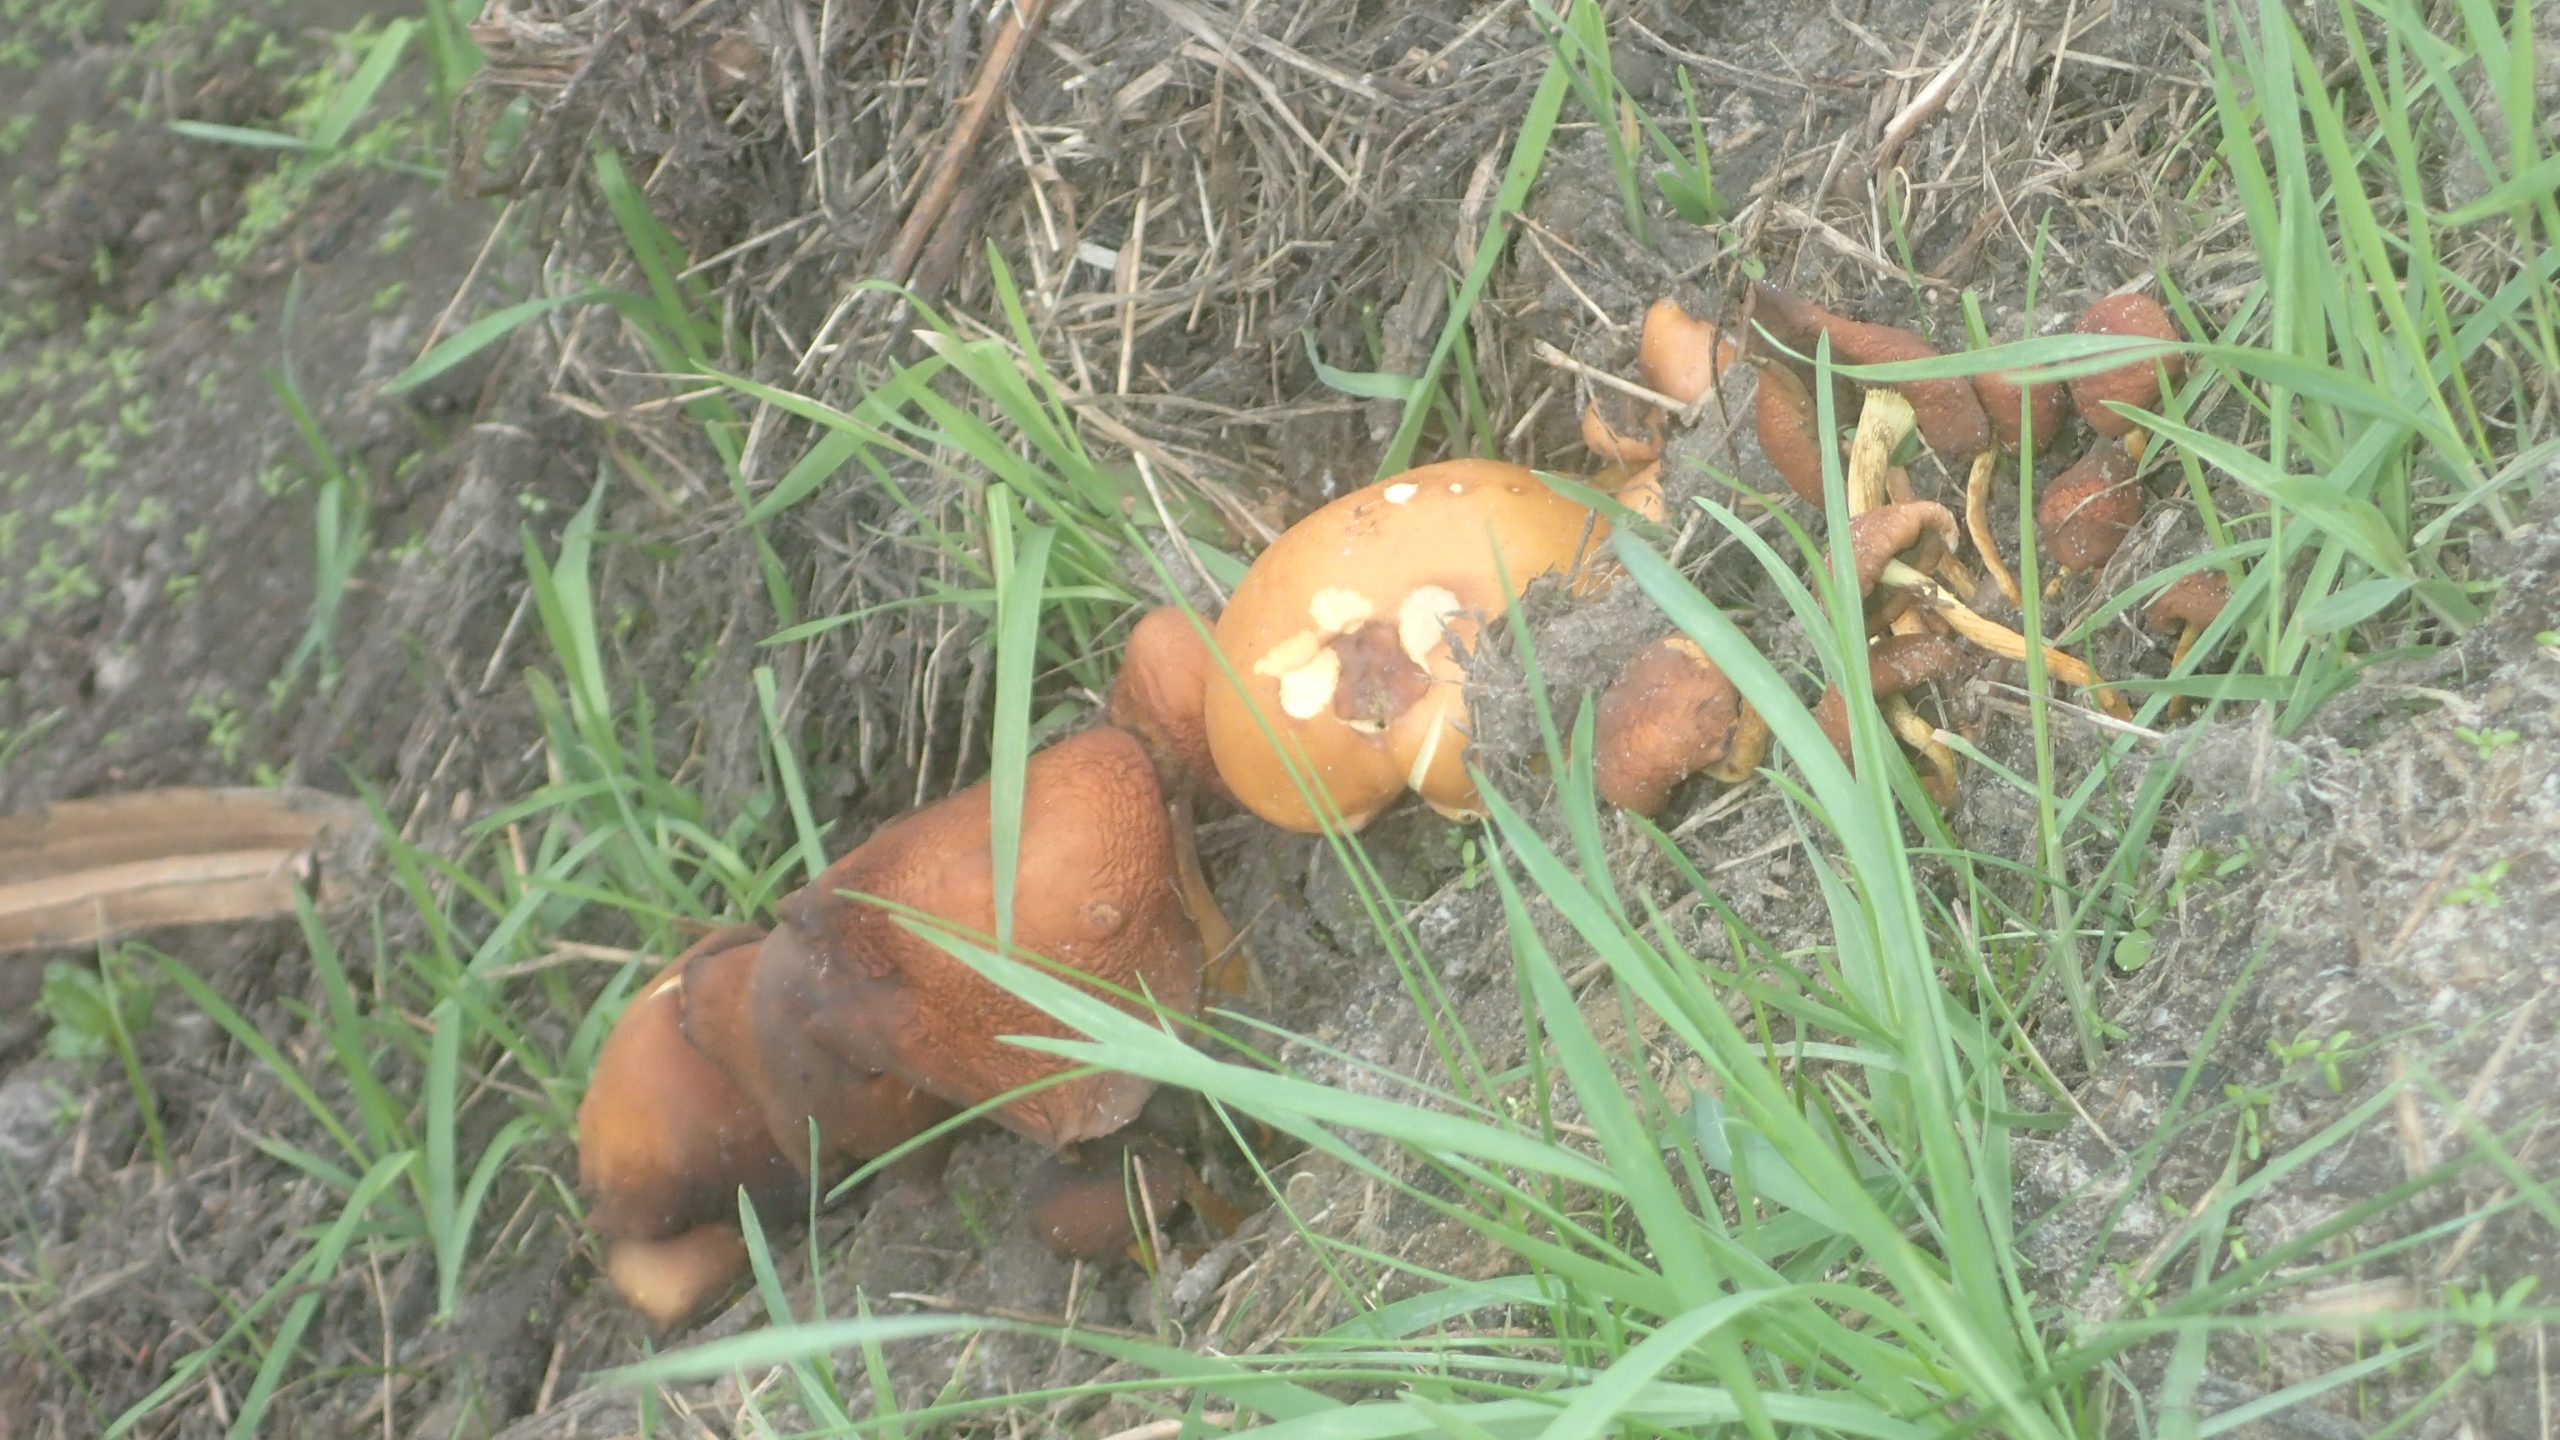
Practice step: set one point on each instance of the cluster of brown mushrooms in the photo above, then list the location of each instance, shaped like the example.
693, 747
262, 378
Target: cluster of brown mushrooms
1332, 684
1906, 544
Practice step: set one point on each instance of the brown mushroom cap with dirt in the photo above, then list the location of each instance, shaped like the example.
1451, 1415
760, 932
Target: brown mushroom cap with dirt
1348, 633
1671, 714
1897, 665
1098, 894
2084, 515
2136, 383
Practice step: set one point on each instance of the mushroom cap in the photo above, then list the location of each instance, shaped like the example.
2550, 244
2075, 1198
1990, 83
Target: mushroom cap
1098, 894
2089, 509
2191, 602
1949, 416
1341, 633
1895, 664
1918, 532
1089, 1208
1670, 714
665, 1138
671, 1280
1682, 357
2136, 384
756, 1024
2000, 394
1161, 695
1783, 417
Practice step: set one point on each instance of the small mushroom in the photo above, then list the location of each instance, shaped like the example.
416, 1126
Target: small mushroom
1347, 633
1097, 894
1950, 416
2013, 408
1096, 1205
2136, 384
1682, 357
2089, 509
1669, 715
666, 1140
2189, 605
1896, 665
1161, 695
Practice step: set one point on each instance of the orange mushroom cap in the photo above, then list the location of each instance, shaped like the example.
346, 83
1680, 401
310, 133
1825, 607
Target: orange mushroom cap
754, 1023
2089, 509
1682, 357
1090, 1208
1161, 696
1342, 634
1949, 416
2190, 603
1098, 894
1670, 714
665, 1141
1921, 533
2001, 394
1896, 664
2136, 384
1783, 418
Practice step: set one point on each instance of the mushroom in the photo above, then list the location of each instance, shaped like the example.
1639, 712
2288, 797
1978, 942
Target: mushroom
1160, 694
666, 1140
1670, 715
2187, 607
1783, 418
1951, 417
2089, 509
1896, 665
1096, 1205
1097, 894
1680, 356
1346, 635
1612, 442
2136, 384
2008, 403
1893, 547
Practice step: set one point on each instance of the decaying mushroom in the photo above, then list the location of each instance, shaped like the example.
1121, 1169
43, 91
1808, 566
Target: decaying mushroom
1348, 631
2136, 384
1897, 665
666, 1140
1669, 715
1098, 894
1096, 1205
2084, 516
1895, 546
1951, 417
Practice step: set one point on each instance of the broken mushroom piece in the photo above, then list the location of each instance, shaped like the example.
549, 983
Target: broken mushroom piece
1894, 547
1669, 715
2136, 384
1951, 417
1616, 443
1682, 357
1097, 895
2086, 513
1095, 1205
1783, 418
1347, 634
665, 1142
1897, 665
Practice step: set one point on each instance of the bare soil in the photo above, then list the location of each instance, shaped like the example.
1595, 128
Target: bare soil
1320, 181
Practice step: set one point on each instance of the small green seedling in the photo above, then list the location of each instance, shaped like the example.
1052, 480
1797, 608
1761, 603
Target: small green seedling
2487, 742
2329, 1054
2479, 888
